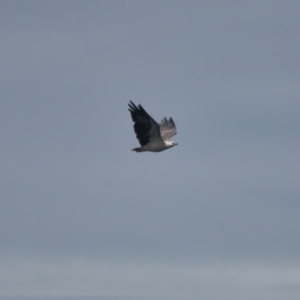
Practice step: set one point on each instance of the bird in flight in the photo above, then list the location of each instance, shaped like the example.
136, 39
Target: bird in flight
152, 136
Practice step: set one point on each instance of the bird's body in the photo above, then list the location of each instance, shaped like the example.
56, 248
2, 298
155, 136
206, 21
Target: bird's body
152, 136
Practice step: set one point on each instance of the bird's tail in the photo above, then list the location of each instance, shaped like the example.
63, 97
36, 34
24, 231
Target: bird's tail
136, 150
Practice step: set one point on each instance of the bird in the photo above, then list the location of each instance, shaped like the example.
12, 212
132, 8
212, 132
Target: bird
153, 137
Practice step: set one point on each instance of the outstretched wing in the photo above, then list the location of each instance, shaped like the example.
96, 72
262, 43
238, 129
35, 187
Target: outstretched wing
167, 128
146, 129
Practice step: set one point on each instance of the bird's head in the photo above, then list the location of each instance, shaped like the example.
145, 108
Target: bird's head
173, 144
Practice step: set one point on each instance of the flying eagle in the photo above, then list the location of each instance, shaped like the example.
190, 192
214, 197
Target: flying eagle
152, 136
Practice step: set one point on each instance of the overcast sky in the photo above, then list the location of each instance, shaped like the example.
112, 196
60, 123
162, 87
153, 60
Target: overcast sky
216, 217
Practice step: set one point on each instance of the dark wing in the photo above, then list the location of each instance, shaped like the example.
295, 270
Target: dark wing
167, 128
146, 129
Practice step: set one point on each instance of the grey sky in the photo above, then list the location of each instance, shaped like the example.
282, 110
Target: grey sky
225, 201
